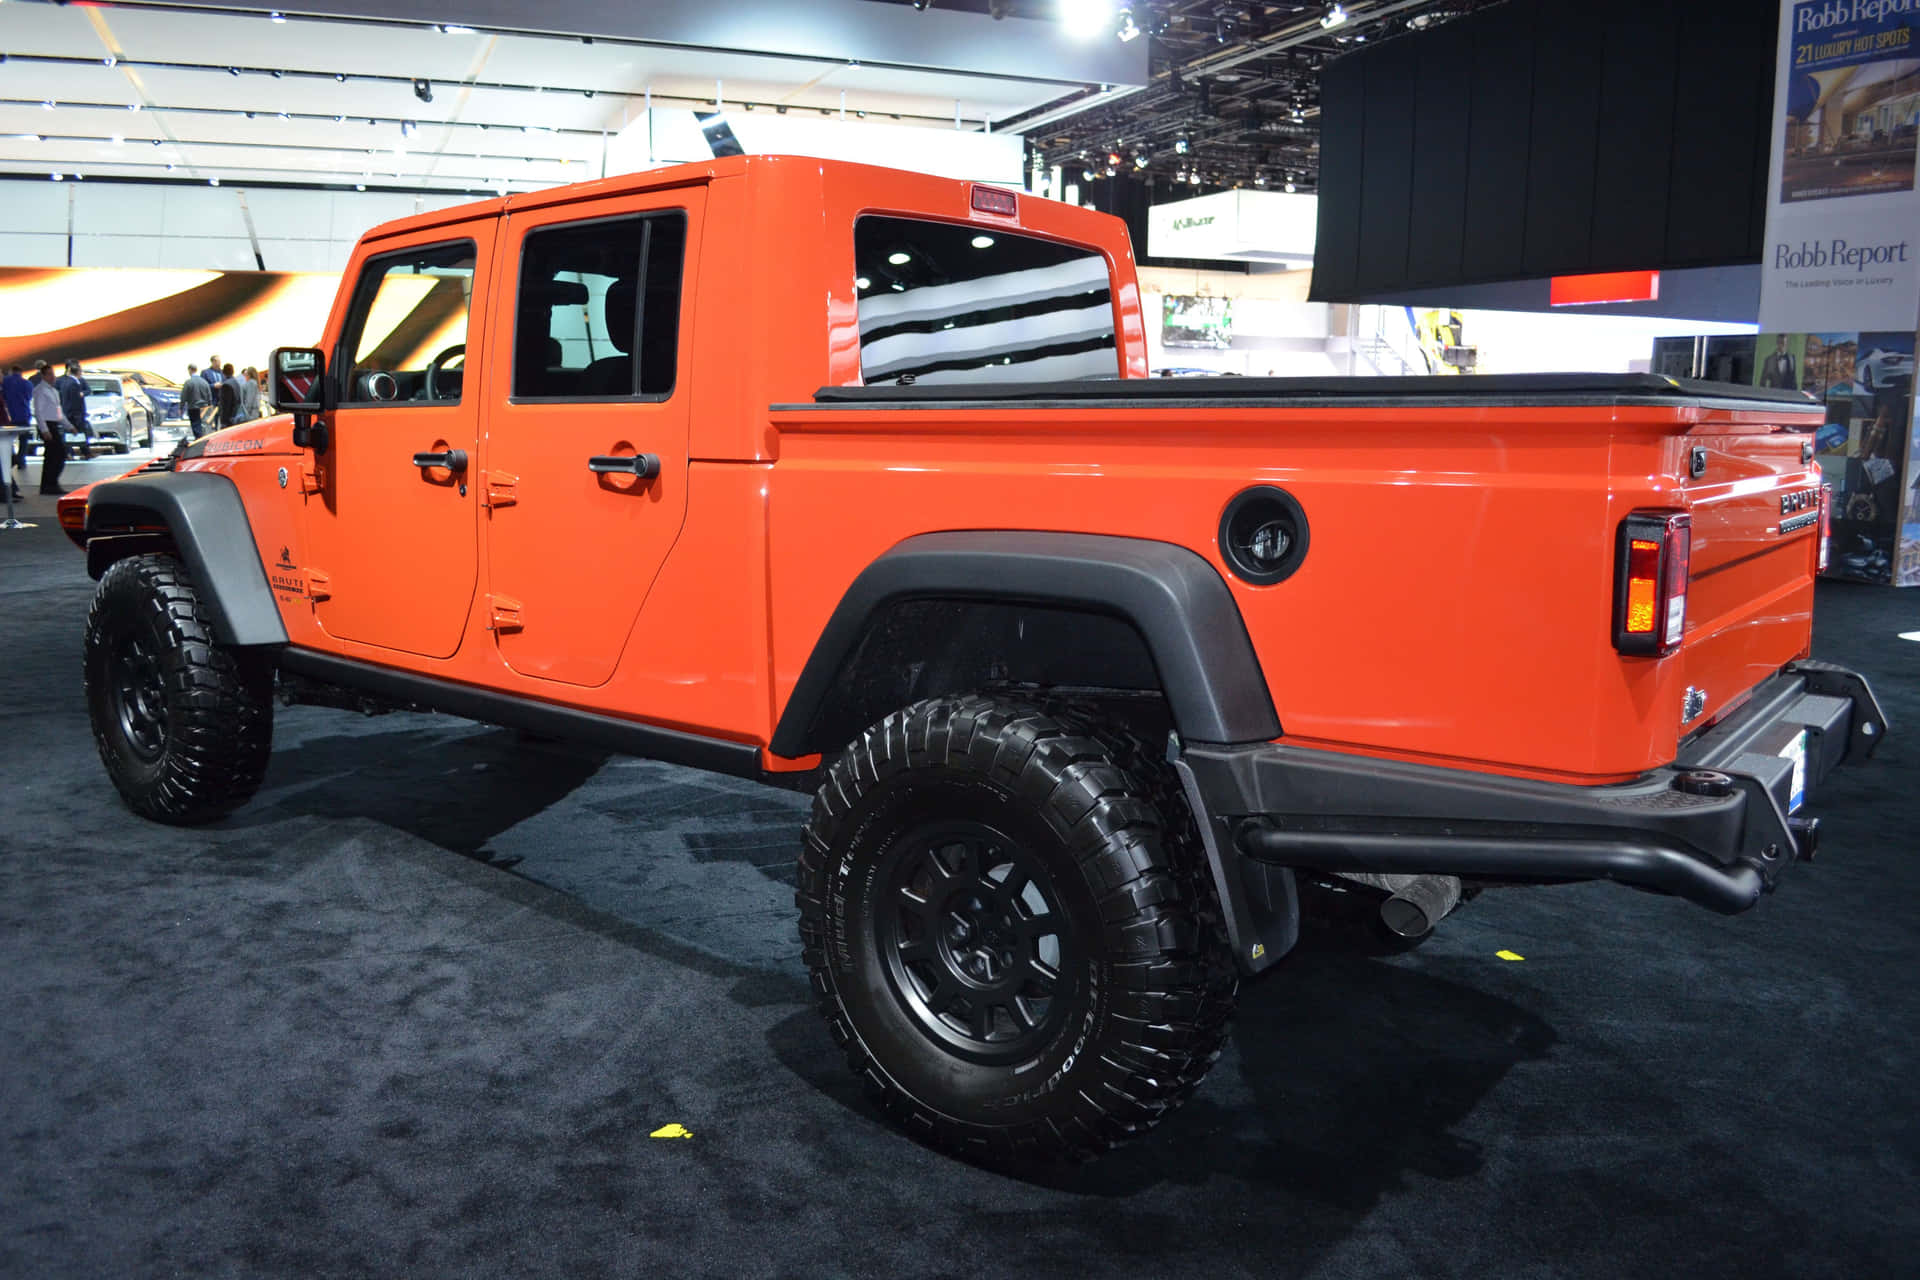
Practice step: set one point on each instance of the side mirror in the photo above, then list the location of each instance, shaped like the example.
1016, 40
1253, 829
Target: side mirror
297, 384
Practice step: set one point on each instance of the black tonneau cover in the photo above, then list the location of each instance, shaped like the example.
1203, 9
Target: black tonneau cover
1472, 389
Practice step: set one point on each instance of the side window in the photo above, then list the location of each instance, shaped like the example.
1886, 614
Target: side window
598, 313
407, 329
952, 302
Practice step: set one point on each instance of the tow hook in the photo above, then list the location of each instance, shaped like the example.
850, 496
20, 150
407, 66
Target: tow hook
1806, 836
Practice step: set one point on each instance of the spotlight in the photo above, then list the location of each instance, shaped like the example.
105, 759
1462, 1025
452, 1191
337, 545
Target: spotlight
452, 29
233, 71
1140, 161
1086, 175
1179, 146
1333, 17
1085, 19
922, 5
1113, 158
337, 76
109, 61
1127, 30
780, 109
1289, 187
276, 17
423, 89
407, 128
133, 106
213, 182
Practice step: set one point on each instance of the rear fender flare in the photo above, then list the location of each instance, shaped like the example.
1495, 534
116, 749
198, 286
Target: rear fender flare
1177, 601
207, 522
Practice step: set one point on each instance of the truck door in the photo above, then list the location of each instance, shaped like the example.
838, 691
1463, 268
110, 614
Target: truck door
393, 540
587, 426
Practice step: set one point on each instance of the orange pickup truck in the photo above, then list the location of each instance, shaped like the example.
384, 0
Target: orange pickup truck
851, 480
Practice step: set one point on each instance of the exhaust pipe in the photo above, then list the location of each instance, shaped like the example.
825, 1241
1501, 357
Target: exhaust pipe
1414, 904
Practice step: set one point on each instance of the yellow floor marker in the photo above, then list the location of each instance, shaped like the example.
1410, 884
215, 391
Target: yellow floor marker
1504, 955
671, 1131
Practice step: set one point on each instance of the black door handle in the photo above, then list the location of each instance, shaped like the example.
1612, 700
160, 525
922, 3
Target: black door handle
644, 465
452, 460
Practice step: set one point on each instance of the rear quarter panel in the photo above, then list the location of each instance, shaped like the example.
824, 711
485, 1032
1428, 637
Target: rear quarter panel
1456, 603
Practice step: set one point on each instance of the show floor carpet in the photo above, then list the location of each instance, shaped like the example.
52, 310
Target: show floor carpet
416, 1010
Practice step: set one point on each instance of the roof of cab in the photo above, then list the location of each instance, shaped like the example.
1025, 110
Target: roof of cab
678, 175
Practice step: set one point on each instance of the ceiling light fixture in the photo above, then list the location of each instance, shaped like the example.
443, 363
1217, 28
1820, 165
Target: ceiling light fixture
1333, 17
452, 29
407, 128
423, 89
1180, 146
109, 61
1086, 19
276, 17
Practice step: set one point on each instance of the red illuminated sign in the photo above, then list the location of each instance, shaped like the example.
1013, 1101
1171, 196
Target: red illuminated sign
1608, 286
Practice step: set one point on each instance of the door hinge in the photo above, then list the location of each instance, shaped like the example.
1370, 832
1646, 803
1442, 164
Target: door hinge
309, 476
318, 587
501, 486
506, 614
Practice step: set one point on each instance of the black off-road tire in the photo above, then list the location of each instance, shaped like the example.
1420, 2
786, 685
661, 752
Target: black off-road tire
184, 726
1144, 983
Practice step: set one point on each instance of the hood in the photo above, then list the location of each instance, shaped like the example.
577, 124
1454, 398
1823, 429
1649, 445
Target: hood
262, 436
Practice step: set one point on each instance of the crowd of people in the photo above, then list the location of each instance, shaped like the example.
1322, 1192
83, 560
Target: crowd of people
218, 396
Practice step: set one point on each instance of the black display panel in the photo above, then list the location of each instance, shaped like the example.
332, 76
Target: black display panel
1546, 137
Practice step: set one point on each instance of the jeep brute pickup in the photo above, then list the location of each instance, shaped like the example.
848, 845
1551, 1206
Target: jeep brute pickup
851, 480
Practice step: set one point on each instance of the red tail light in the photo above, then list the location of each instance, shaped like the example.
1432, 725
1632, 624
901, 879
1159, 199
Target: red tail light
1650, 582
1826, 525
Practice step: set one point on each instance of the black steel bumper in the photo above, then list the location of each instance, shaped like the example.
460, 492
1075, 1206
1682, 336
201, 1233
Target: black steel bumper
1716, 827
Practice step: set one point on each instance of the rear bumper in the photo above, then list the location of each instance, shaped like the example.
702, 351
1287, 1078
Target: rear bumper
1715, 827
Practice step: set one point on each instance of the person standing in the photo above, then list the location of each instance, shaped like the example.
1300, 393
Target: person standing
53, 429
17, 393
250, 387
232, 398
212, 373
195, 396
73, 403
6, 420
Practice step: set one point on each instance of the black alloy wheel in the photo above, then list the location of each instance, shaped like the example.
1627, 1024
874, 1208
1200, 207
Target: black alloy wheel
138, 694
978, 950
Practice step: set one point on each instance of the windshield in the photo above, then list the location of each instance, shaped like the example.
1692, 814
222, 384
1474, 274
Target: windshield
103, 386
146, 379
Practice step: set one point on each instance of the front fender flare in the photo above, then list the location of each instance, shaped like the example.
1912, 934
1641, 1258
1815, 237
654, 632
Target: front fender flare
1178, 602
208, 522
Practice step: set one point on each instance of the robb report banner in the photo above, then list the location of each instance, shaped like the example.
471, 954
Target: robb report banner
1843, 217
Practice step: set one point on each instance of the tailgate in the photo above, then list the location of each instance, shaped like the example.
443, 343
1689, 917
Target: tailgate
1754, 497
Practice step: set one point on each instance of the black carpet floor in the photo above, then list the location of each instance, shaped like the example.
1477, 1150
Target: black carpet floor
416, 1010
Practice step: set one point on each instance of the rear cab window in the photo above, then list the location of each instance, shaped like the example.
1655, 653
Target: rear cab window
957, 303
598, 312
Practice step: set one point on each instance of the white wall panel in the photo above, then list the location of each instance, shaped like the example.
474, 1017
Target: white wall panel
117, 209
353, 215
31, 249
201, 211
35, 206
298, 255
117, 251
292, 215
207, 253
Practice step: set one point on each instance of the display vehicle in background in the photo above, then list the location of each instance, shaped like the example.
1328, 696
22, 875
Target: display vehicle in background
851, 480
117, 419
